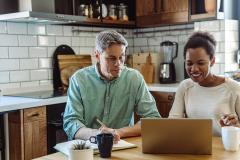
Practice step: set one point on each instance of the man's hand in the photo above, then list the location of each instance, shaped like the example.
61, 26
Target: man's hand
116, 135
229, 120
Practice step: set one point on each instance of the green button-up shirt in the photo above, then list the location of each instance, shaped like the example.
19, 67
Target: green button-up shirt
113, 102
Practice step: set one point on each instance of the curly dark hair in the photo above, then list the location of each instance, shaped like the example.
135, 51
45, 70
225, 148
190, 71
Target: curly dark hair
201, 39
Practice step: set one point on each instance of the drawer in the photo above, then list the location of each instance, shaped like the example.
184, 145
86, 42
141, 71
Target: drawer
34, 114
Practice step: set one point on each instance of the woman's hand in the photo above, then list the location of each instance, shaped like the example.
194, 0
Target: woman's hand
116, 135
229, 120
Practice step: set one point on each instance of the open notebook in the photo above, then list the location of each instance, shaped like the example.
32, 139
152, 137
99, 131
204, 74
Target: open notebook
65, 146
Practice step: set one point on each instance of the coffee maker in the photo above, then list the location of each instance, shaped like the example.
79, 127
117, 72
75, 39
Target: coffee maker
169, 51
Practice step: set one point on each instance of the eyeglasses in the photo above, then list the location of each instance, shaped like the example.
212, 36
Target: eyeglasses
113, 60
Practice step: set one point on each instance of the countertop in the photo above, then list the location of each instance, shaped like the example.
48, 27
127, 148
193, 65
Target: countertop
9, 103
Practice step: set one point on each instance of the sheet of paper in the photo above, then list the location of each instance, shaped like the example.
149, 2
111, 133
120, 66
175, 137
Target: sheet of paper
65, 146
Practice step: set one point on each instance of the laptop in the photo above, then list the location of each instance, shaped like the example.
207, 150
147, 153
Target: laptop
180, 136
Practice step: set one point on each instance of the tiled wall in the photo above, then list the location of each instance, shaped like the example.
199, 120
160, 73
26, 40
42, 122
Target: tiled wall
154, 36
226, 33
26, 49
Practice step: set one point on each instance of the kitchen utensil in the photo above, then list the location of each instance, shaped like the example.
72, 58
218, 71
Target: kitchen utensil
147, 70
167, 68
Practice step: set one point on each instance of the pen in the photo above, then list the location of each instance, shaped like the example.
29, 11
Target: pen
100, 122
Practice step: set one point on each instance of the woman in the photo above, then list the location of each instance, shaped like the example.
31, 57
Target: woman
205, 95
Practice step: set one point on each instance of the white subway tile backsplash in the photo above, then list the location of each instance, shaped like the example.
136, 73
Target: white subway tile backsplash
63, 40
19, 76
50, 51
41, 74
27, 40
3, 52
231, 36
130, 41
46, 41
28, 64
76, 50
54, 30
231, 25
36, 29
46, 83
231, 46
16, 28
4, 77
45, 63
220, 58
82, 41
75, 41
170, 38
9, 64
67, 30
86, 50
210, 25
90, 41
8, 40
140, 41
29, 84
37, 52
9, 85
219, 36
216, 69
3, 27
18, 52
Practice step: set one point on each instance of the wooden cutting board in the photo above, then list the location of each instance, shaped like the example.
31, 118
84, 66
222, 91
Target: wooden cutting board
147, 70
69, 64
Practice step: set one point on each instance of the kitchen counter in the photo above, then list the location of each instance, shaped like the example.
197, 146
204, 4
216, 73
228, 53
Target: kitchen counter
10, 103
163, 87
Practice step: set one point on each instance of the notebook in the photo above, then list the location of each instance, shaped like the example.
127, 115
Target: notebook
185, 136
65, 146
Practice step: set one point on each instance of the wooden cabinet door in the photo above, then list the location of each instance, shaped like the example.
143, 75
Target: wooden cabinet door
160, 12
35, 132
164, 101
28, 133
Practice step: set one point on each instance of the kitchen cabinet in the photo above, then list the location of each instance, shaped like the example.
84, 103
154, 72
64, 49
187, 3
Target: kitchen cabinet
164, 101
28, 133
213, 9
151, 13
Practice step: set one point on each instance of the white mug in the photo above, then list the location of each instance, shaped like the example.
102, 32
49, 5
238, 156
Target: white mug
80, 154
231, 138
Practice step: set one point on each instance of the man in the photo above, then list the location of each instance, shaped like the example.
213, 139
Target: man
108, 91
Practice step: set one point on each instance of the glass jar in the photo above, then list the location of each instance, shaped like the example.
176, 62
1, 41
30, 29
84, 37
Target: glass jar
122, 12
81, 10
112, 12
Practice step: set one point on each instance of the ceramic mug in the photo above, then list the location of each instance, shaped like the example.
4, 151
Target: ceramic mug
231, 138
104, 142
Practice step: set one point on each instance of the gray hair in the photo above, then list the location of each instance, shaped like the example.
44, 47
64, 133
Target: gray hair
106, 38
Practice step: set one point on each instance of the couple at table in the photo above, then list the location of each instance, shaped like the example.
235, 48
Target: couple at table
112, 92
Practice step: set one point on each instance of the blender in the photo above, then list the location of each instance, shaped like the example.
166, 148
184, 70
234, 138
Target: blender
167, 68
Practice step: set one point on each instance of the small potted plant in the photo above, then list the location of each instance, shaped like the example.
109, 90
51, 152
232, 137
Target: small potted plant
80, 150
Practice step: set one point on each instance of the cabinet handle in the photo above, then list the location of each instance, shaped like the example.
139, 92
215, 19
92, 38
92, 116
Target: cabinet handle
34, 115
170, 98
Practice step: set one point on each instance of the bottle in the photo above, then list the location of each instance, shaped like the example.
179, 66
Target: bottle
96, 10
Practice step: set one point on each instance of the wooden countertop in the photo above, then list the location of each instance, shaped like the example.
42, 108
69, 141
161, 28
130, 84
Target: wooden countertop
136, 153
